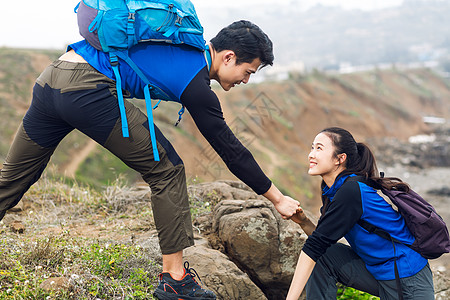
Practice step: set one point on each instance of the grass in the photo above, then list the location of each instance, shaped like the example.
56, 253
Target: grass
95, 269
98, 262
92, 171
347, 293
96, 266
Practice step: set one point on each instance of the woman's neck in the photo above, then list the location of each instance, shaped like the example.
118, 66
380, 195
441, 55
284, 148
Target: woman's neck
330, 178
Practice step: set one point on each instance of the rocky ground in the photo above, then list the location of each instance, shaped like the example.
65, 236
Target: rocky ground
243, 248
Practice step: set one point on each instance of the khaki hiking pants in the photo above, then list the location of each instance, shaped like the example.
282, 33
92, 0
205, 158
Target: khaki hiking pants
71, 96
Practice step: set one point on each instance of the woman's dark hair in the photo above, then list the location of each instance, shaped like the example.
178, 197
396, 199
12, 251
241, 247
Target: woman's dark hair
360, 159
247, 41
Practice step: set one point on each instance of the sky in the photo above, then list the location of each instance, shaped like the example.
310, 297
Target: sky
52, 24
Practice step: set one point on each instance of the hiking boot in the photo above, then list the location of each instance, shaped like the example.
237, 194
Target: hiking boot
186, 288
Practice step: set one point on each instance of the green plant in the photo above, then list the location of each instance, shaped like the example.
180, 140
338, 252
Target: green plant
348, 293
96, 269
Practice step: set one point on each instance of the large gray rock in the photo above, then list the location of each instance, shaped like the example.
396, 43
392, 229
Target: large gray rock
211, 193
263, 244
220, 275
441, 285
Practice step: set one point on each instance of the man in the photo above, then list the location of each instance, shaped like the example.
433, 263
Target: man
78, 91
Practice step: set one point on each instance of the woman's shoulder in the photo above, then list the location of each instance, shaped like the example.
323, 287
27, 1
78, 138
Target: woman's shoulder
349, 187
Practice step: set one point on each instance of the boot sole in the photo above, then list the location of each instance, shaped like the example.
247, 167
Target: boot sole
161, 295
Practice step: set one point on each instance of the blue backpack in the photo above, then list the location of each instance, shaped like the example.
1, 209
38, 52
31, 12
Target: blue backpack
114, 26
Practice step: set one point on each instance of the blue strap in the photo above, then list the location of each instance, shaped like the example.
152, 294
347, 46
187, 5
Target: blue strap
115, 66
151, 126
130, 28
208, 57
157, 104
174, 28
123, 55
96, 22
180, 113
76, 7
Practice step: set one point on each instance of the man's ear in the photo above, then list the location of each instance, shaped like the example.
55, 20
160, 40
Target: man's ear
229, 56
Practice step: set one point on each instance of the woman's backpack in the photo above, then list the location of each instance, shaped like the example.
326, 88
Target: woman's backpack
426, 225
114, 26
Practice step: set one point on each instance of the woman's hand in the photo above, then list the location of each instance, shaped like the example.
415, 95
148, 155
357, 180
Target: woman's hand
299, 217
302, 219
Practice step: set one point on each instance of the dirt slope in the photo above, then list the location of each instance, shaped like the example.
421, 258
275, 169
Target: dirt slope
275, 120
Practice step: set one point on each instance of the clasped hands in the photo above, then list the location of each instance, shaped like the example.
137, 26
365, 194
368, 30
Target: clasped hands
290, 209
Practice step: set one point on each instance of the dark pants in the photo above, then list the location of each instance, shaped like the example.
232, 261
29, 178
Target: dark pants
71, 96
341, 264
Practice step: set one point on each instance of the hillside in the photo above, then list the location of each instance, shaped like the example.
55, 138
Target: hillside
275, 120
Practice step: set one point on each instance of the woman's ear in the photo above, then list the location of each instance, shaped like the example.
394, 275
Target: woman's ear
341, 158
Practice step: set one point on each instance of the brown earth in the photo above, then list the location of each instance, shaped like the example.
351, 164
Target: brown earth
276, 120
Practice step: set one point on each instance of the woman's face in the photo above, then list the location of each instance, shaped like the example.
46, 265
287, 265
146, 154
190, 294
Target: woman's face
322, 160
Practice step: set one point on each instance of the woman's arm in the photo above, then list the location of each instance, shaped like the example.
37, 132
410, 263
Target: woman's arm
305, 266
341, 215
302, 219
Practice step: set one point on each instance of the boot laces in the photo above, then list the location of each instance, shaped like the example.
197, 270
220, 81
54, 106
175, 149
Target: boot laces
192, 273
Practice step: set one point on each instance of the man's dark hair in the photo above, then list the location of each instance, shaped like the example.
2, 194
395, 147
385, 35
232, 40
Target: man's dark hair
247, 41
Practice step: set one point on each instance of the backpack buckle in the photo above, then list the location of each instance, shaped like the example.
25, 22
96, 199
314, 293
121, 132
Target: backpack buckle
178, 21
114, 60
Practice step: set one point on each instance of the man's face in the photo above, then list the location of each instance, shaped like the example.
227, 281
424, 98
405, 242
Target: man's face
231, 74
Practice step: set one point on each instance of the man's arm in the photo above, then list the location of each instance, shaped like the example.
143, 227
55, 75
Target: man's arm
204, 107
285, 205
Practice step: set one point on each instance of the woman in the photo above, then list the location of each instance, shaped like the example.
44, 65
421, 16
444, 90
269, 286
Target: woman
368, 263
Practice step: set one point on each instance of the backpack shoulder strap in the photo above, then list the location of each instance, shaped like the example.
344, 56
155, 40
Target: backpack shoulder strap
208, 59
114, 63
366, 225
381, 233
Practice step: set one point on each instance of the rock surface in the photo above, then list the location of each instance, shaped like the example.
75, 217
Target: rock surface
56, 284
253, 235
221, 275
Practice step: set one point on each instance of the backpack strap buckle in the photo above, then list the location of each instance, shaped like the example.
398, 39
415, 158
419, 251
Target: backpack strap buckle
114, 60
178, 21
130, 28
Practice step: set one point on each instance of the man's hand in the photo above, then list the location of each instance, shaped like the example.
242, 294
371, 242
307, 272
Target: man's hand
287, 207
